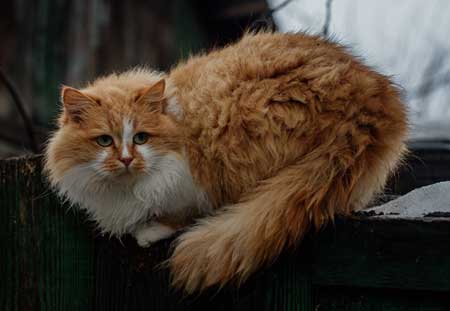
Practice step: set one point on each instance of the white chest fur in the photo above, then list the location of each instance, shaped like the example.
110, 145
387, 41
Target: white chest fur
119, 208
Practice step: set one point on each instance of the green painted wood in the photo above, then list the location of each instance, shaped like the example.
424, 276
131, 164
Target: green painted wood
51, 260
46, 260
339, 298
384, 253
136, 273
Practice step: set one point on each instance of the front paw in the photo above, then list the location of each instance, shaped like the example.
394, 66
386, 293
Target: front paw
142, 239
153, 232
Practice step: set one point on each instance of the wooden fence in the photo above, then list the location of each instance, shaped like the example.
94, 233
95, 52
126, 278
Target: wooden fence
52, 259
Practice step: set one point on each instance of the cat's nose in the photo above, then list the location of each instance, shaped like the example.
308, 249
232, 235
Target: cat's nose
126, 161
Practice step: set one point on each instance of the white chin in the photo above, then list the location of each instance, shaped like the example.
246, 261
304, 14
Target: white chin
124, 174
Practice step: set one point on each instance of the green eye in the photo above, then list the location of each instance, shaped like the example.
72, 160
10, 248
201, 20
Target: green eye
140, 138
104, 140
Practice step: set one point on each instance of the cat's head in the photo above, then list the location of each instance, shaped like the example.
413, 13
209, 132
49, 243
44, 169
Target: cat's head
112, 131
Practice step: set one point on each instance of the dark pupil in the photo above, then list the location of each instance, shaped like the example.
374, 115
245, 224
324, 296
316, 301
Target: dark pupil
104, 140
140, 138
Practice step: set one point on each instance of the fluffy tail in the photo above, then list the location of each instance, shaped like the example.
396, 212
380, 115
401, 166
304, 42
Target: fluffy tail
252, 233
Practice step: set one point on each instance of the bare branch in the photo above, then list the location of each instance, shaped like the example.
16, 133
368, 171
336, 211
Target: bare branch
279, 7
265, 21
433, 75
326, 25
431, 85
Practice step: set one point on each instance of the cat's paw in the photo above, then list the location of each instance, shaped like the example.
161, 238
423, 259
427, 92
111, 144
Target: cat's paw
153, 232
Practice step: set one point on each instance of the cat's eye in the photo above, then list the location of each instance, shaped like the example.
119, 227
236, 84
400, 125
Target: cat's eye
140, 138
104, 140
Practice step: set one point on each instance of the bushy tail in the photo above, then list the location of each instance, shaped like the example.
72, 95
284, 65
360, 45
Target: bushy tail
252, 233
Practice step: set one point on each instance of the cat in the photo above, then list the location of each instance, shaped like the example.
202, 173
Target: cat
257, 143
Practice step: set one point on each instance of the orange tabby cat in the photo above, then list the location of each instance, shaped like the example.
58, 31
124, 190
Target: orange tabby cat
265, 138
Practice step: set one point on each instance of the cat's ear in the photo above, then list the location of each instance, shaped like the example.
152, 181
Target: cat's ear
152, 96
76, 104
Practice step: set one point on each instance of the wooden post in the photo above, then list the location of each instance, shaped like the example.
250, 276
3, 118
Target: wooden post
51, 260
47, 250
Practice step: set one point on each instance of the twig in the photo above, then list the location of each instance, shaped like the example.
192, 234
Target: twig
266, 19
326, 25
279, 7
429, 86
20, 107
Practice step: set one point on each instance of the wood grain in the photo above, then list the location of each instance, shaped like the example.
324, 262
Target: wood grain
384, 253
47, 253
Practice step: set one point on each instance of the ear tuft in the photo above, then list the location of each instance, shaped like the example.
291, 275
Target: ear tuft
152, 94
76, 103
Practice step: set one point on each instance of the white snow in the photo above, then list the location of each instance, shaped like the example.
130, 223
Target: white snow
418, 203
405, 39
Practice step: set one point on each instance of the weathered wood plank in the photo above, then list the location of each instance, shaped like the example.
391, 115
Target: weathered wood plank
46, 251
383, 253
137, 274
50, 260
338, 298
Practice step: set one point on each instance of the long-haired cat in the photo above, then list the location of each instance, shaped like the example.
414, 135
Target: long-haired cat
264, 139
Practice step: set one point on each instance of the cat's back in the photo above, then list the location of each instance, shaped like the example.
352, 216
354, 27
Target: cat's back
269, 57
274, 67
272, 98
255, 57
290, 80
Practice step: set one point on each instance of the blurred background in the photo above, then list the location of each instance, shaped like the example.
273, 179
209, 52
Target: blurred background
45, 44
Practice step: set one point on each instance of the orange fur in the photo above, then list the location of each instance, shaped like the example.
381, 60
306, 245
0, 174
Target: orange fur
282, 132
111, 98
286, 130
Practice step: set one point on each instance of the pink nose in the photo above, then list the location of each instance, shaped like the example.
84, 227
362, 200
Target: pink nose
126, 161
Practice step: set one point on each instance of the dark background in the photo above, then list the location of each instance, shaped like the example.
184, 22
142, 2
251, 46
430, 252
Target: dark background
45, 44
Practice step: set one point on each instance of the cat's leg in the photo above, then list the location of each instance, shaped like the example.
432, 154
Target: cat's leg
152, 232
